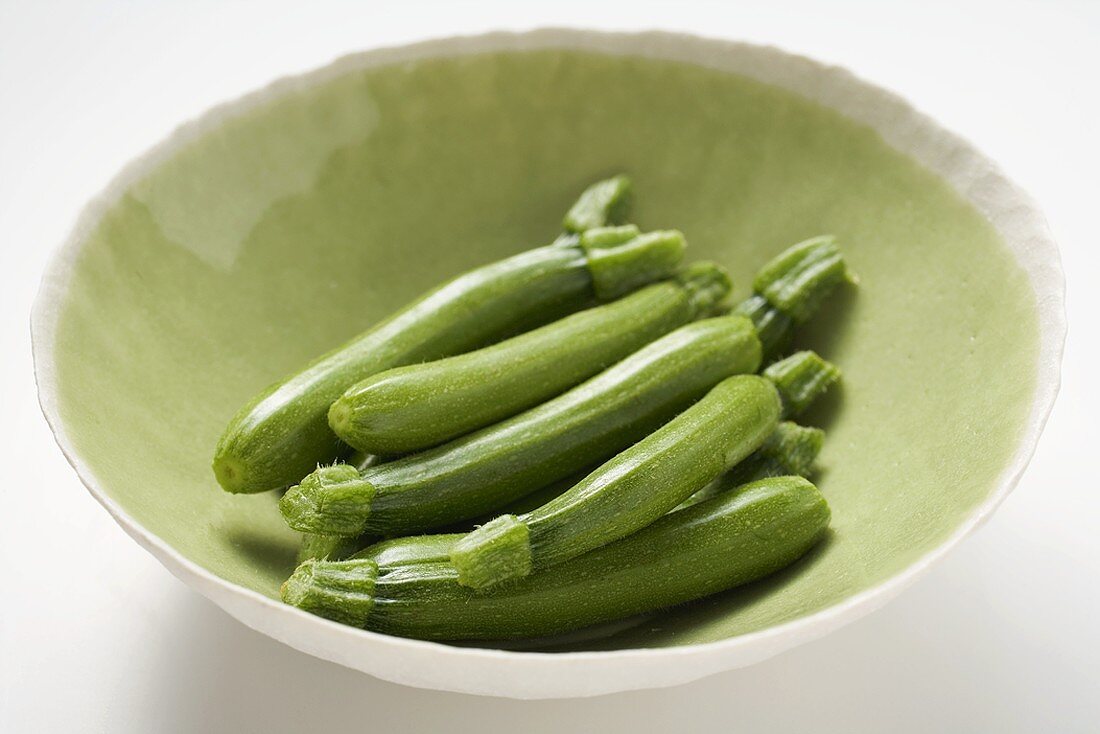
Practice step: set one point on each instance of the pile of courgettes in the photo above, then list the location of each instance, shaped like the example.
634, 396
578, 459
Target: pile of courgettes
578, 433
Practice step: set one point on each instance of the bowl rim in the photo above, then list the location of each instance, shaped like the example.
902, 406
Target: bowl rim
525, 674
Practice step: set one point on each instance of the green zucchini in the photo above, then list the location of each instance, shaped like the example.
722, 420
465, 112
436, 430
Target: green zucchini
709, 547
284, 432
645, 481
335, 547
790, 450
484, 470
628, 492
412, 408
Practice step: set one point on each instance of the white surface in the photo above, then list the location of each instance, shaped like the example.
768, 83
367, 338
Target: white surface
1000, 636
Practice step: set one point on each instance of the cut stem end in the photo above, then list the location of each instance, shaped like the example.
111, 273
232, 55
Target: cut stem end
332, 500
801, 379
338, 590
619, 269
798, 279
497, 551
707, 284
603, 203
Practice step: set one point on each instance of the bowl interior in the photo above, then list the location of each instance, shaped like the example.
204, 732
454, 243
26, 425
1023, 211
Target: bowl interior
273, 235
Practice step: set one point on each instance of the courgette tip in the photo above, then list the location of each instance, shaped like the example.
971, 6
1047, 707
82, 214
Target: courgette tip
339, 417
231, 474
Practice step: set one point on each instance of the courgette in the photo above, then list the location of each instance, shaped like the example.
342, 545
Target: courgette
790, 450
414, 407
643, 482
482, 471
339, 547
284, 432
712, 546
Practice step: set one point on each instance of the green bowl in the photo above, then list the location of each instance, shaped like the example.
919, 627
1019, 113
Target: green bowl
278, 225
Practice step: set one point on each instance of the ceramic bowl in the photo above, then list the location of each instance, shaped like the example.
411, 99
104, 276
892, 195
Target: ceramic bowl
278, 225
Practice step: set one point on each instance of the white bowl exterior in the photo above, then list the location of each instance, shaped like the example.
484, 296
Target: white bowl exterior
561, 675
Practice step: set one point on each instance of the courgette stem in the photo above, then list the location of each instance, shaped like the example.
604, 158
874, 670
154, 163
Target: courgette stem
283, 432
645, 481
415, 407
790, 450
598, 237
629, 491
619, 269
335, 547
709, 547
343, 590
482, 471
801, 379
789, 289
603, 203
331, 500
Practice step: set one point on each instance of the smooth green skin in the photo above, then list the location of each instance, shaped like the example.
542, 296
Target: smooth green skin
632, 489
409, 550
280, 234
483, 471
709, 547
419, 406
527, 502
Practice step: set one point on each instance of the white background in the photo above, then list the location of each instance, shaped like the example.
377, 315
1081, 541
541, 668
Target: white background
96, 636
